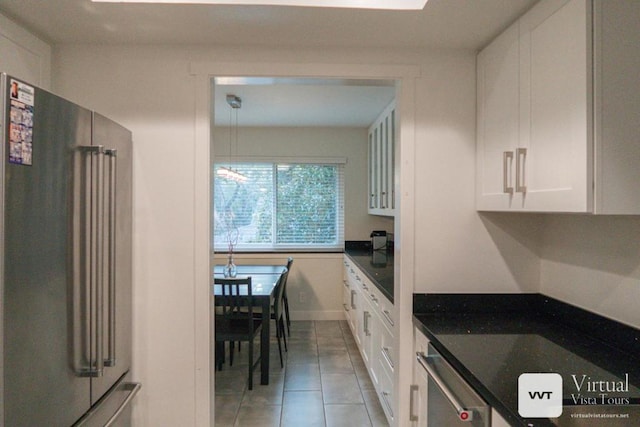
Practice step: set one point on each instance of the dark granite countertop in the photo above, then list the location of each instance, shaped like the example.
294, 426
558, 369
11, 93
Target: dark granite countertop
376, 265
491, 339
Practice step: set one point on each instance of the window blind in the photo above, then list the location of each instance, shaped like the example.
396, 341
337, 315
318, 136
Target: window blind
278, 206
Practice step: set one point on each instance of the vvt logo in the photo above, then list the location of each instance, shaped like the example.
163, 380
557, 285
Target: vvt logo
540, 395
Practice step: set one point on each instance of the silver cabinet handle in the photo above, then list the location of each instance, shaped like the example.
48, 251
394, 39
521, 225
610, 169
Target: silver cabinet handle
365, 317
413, 388
110, 360
346, 307
374, 299
346, 283
385, 399
507, 159
387, 316
463, 414
521, 153
133, 389
353, 294
387, 356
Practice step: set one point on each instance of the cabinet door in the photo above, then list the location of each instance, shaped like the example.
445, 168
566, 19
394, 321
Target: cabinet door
555, 100
366, 320
498, 122
382, 141
355, 313
383, 128
497, 420
418, 402
374, 165
346, 300
390, 159
364, 330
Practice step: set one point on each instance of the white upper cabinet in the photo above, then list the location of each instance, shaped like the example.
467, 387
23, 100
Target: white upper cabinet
382, 143
558, 114
498, 121
555, 171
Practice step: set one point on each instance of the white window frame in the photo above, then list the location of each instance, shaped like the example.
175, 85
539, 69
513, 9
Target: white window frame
282, 247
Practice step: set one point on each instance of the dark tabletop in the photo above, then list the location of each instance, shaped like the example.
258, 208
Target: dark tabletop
491, 349
261, 284
253, 269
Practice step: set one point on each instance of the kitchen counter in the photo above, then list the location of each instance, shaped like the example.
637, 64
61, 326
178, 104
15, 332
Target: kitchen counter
491, 339
377, 265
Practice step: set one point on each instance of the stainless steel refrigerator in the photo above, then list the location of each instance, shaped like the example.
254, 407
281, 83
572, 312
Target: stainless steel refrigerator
65, 264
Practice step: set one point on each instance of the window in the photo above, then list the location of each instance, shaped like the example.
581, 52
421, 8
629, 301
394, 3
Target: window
274, 206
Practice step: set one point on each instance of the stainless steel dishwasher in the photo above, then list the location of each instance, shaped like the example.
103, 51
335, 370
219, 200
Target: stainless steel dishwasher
451, 401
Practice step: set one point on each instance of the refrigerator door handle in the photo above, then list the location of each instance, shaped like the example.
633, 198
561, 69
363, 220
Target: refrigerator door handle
93, 277
134, 389
110, 359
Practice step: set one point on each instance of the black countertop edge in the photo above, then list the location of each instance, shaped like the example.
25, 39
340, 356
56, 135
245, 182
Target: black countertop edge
378, 266
562, 324
364, 245
471, 379
610, 332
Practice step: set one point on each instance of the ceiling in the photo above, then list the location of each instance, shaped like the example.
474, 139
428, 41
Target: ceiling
460, 24
303, 102
442, 24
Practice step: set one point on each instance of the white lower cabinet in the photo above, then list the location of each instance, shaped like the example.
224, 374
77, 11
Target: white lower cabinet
370, 318
347, 302
497, 420
419, 387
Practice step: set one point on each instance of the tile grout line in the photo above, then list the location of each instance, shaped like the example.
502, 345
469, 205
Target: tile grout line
324, 405
364, 402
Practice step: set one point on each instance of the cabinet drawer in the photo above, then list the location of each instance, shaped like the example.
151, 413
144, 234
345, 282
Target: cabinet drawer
346, 298
387, 344
386, 395
386, 313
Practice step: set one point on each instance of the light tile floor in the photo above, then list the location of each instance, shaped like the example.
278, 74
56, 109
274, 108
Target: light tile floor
324, 383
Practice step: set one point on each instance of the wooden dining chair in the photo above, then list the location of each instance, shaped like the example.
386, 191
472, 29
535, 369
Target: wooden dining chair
277, 313
235, 320
284, 296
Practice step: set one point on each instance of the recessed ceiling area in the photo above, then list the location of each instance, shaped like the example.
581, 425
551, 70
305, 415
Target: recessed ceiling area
301, 102
441, 24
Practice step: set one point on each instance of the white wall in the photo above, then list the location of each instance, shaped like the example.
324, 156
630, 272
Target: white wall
24, 55
149, 89
591, 262
458, 249
152, 94
315, 284
350, 143
594, 263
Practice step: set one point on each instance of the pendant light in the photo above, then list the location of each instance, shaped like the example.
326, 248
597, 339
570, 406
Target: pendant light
235, 103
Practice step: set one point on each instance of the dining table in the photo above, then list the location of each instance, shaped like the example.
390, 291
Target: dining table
264, 279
